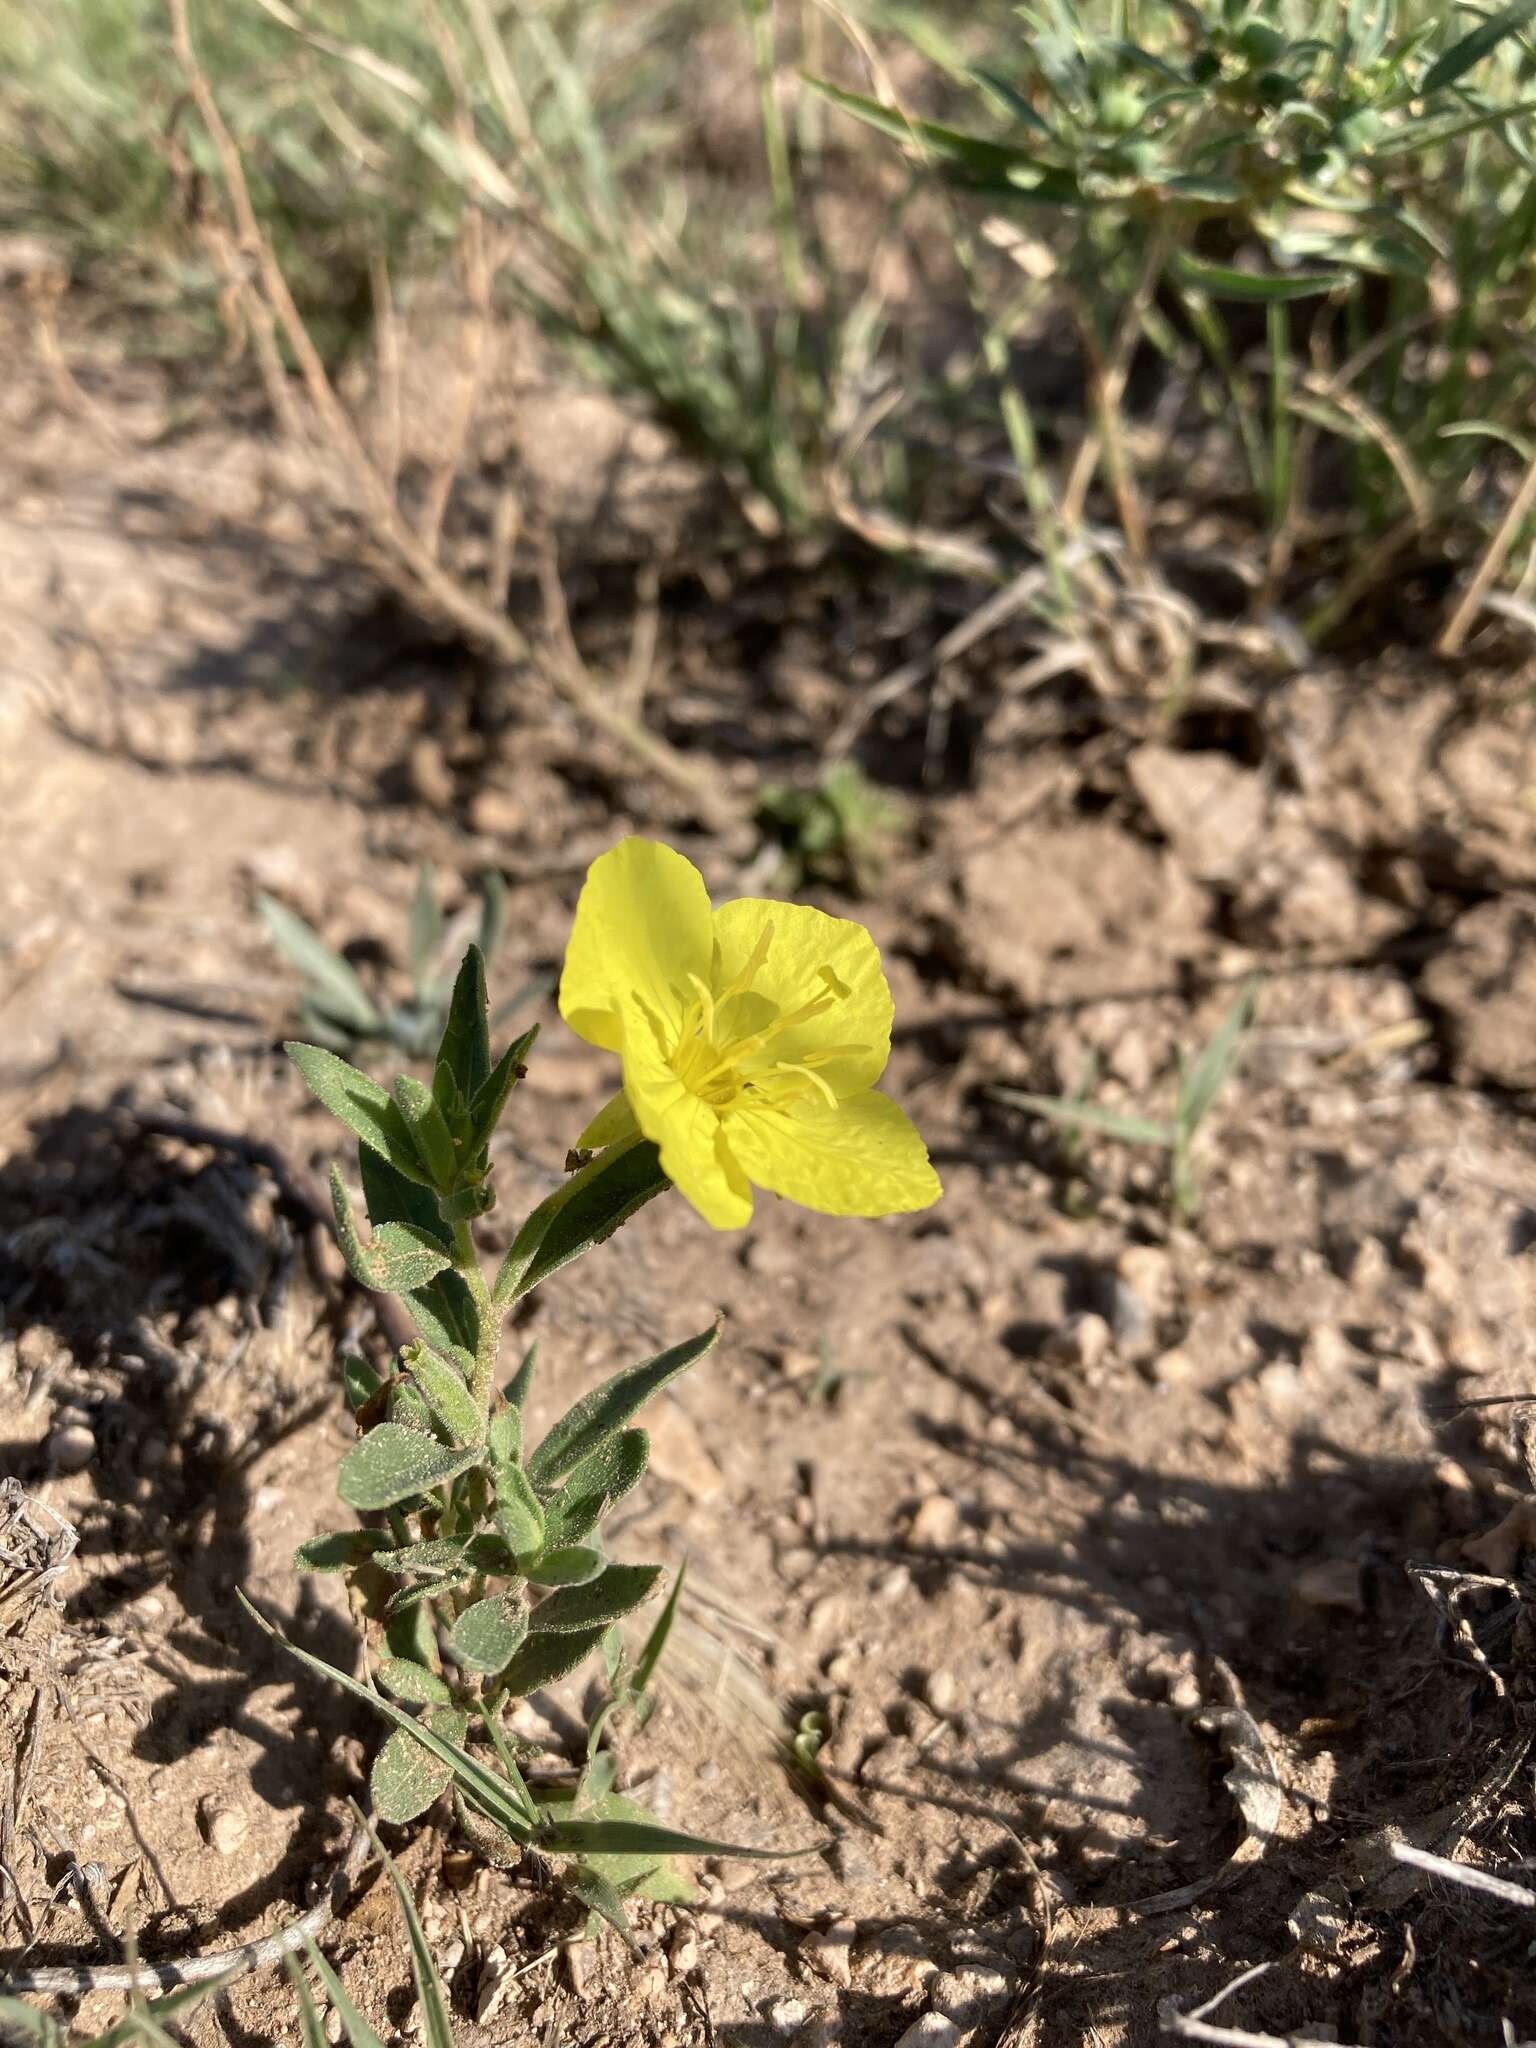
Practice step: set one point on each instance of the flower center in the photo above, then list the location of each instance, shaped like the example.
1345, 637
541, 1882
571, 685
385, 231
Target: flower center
725, 1051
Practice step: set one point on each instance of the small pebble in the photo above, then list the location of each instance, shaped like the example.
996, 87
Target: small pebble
225, 1828
933, 2030
71, 1448
789, 2013
684, 1953
829, 1952
935, 1525
942, 1691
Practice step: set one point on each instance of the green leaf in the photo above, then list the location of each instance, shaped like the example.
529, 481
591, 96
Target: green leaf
599, 1895
406, 1778
401, 1256
361, 1105
309, 2016
1089, 1116
544, 1658
1208, 1075
519, 1517
603, 1194
656, 1641
466, 1046
429, 1130
342, 1550
391, 1463
429, 1986
608, 1408
485, 1635
423, 932
392, 1198
1455, 62
408, 1680
1226, 281
494, 1797
504, 1438
612, 1471
174, 2005
645, 1838
439, 1557
486, 1109
519, 1386
359, 1380
611, 1595
576, 1564
332, 981
451, 1401
358, 2032
970, 159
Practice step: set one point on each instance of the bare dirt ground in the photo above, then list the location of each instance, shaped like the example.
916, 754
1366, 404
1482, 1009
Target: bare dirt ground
1088, 1533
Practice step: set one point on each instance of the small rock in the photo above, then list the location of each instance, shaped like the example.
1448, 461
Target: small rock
1332, 1587
1210, 809
1084, 1340
71, 1448
1280, 1384
224, 1827
1317, 1924
935, 1525
852, 1863
933, 2030
430, 779
942, 1692
893, 1584
683, 1955
678, 1452
796, 1364
829, 1952
1147, 1269
494, 1982
789, 2013
497, 814
1170, 1368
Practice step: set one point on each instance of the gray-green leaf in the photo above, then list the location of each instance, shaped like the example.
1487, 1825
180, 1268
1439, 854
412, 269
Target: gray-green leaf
608, 1408
612, 1594
408, 1680
451, 1401
406, 1778
392, 1462
485, 1635
362, 1105
544, 1658
342, 1550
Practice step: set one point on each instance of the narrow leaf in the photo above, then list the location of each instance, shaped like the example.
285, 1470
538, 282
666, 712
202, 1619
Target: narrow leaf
600, 1897
519, 1517
1226, 281
451, 1401
331, 979
429, 1986
424, 930
645, 1838
361, 1104
493, 913
358, 2032
608, 1408
438, 1557
603, 1194
656, 1641
576, 1564
429, 1130
391, 1463
309, 2015
521, 1383
1455, 62
1089, 1116
466, 1046
342, 1550
1208, 1074
490, 1794
485, 1111
406, 1256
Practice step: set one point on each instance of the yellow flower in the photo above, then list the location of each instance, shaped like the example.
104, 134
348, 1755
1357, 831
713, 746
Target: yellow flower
751, 1038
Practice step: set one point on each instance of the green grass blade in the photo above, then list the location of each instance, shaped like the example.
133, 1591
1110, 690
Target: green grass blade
1209, 1073
1090, 1116
331, 979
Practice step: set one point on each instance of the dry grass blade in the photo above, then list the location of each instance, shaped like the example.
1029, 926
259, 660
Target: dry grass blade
1468, 1875
1197, 2025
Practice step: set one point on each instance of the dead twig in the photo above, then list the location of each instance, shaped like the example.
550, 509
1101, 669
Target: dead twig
1196, 2026
1468, 1875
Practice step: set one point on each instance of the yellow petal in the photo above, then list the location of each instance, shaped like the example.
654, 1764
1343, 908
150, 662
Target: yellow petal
863, 1158
693, 1155
642, 927
803, 942
615, 1120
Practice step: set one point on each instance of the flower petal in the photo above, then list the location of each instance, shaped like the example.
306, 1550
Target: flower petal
863, 1158
693, 1156
802, 943
642, 927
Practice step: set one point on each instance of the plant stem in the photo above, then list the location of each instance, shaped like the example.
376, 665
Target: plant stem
466, 1264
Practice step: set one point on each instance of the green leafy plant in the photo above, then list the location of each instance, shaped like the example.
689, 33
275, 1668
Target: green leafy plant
839, 830
1201, 1081
480, 1568
1357, 174
142, 2026
335, 1005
